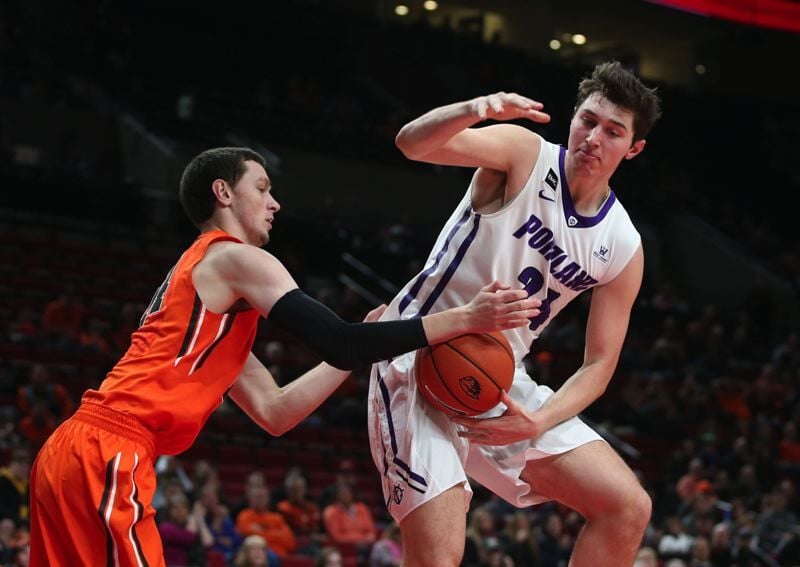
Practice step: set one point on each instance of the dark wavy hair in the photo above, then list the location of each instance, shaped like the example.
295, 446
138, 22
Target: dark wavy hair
614, 82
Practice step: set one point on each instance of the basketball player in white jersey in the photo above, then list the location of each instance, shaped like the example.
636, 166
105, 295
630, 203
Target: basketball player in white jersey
542, 216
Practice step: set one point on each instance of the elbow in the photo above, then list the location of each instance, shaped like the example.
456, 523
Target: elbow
341, 359
404, 143
271, 420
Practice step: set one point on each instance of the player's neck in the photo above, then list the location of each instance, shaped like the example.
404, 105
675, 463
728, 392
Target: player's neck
588, 194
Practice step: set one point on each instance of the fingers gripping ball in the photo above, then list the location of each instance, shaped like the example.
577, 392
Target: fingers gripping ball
464, 375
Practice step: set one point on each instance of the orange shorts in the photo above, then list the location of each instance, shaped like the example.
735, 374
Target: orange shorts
92, 485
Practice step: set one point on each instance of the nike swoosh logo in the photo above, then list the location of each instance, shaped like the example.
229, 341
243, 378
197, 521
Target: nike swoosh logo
545, 197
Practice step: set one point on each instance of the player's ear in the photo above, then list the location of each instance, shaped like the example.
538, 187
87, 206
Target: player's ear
221, 191
636, 149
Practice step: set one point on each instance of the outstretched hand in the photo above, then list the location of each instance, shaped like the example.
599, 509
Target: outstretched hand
515, 424
508, 106
497, 307
375, 314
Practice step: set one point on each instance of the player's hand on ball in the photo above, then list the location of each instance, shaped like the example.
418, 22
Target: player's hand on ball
497, 307
516, 424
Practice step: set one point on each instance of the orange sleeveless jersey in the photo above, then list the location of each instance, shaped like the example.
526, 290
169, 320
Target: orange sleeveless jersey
182, 359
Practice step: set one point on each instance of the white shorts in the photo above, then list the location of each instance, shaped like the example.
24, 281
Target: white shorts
419, 454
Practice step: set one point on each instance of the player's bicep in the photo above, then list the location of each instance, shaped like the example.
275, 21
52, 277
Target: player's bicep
257, 277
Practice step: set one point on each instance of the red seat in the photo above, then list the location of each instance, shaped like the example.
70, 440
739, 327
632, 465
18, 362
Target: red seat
215, 559
297, 561
347, 549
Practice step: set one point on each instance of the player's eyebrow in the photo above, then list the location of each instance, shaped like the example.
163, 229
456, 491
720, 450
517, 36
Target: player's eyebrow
617, 122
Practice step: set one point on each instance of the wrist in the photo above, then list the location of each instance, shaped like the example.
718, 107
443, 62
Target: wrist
462, 320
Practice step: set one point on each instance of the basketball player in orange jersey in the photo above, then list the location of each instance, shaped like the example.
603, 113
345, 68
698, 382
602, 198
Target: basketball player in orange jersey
93, 481
542, 216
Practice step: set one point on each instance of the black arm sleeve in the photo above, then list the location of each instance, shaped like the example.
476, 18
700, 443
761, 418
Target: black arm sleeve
340, 343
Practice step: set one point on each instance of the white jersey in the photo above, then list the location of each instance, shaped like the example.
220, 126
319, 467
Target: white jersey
538, 242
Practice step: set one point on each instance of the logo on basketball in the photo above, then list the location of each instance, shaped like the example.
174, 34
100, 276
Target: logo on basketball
471, 387
397, 494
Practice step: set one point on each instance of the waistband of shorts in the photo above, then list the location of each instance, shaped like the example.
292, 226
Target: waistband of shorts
118, 422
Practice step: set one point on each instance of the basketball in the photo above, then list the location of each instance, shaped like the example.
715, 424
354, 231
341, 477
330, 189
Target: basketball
464, 375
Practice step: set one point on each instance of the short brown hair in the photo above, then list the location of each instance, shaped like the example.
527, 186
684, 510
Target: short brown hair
196, 195
617, 84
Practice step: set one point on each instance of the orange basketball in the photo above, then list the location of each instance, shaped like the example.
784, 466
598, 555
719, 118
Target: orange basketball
464, 375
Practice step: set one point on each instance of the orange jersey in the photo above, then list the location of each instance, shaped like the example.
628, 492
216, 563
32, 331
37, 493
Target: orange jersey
182, 359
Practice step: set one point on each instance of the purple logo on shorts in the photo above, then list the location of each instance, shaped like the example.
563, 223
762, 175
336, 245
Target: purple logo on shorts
397, 494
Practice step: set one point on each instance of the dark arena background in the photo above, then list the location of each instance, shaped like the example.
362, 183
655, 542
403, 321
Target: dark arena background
103, 103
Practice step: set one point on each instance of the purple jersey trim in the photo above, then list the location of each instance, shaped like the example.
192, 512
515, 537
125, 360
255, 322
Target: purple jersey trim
412, 293
437, 291
569, 207
395, 459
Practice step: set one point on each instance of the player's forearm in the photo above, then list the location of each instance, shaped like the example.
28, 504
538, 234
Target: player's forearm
433, 129
298, 399
445, 325
278, 409
576, 394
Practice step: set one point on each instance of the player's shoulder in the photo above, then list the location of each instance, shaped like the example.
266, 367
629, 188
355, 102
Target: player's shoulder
231, 257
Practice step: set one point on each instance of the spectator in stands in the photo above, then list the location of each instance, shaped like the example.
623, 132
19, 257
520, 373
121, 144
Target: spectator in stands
92, 337
345, 476
184, 532
519, 540
253, 479
687, 485
203, 473
720, 545
302, 514
349, 521
646, 557
480, 528
776, 525
555, 545
219, 521
329, 557
255, 552
388, 550
57, 400
14, 486
7, 547
700, 555
745, 552
24, 329
23, 556
747, 487
172, 478
258, 519
62, 317
38, 425
675, 542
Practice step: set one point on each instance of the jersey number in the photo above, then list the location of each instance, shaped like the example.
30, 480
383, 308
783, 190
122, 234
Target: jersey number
533, 281
158, 298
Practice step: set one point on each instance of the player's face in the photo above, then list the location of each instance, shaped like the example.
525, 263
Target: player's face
254, 205
600, 137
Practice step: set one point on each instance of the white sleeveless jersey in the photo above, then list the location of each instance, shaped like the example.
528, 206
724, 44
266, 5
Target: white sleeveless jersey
536, 242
